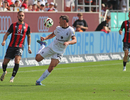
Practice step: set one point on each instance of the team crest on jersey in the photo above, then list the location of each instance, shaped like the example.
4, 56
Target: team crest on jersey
24, 27
126, 24
15, 26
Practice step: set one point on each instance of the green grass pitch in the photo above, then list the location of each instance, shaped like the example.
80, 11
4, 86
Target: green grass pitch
78, 81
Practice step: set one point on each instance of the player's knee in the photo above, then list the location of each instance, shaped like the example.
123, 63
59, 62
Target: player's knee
38, 58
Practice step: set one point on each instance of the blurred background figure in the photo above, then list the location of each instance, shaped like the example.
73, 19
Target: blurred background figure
5, 6
87, 2
55, 6
78, 29
83, 24
38, 8
51, 7
123, 4
30, 7
25, 5
42, 7
17, 3
104, 25
34, 7
46, 6
69, 4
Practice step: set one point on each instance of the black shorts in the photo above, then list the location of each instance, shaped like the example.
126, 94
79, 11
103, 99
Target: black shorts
126, 46
13, 51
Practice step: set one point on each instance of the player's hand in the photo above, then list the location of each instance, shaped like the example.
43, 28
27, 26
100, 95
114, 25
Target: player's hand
120, 32
42, 38
3, 43
66, 43
29, 50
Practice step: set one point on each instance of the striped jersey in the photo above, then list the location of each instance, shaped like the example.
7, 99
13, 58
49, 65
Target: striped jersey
126, 25
19, 32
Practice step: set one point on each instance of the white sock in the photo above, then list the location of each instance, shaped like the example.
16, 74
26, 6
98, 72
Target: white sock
44, 75
41, 47
12, 78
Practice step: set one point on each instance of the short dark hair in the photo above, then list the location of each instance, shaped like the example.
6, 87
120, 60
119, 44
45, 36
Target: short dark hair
108, 17
65, 17
20, 12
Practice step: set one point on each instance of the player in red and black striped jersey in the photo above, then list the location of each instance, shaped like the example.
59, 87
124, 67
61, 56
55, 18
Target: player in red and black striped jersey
126, 41
19, 30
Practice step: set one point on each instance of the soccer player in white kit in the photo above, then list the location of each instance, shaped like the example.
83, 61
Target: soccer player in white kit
56, 49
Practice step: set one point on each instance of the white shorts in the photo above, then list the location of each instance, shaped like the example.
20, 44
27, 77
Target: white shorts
69, 3
48, 52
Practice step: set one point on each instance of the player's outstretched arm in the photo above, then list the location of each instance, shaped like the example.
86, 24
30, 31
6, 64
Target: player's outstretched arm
48, 37
73, 41
4, 39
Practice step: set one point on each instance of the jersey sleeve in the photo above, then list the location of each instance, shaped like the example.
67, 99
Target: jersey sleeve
72, 32
28, 31
123, 25
10, 30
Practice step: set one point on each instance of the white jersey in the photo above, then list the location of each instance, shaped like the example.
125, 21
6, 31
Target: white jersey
62, 35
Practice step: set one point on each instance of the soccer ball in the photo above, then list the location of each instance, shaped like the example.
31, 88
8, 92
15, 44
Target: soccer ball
48, 22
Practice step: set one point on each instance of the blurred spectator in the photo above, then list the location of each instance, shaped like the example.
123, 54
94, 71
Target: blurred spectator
38, 3
78, 29
34, 7
55, 6
30, 7
123, 4
43, 2
87, 3
25, 5
11, 7
46, 6
9, 2
42, 7
69, 4
17, 3
94, 9
81, 22
51, 7
114, 4
80, 8
38, 8
104, 26
5, 6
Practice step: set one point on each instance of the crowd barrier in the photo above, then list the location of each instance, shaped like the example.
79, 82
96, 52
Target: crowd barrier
90, 46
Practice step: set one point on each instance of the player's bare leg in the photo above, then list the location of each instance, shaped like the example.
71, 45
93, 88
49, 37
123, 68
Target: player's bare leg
54, 63
125, 59
4, 66
38, 58
16, 67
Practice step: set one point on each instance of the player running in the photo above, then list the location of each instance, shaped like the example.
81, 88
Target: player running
19, 31
126, 41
